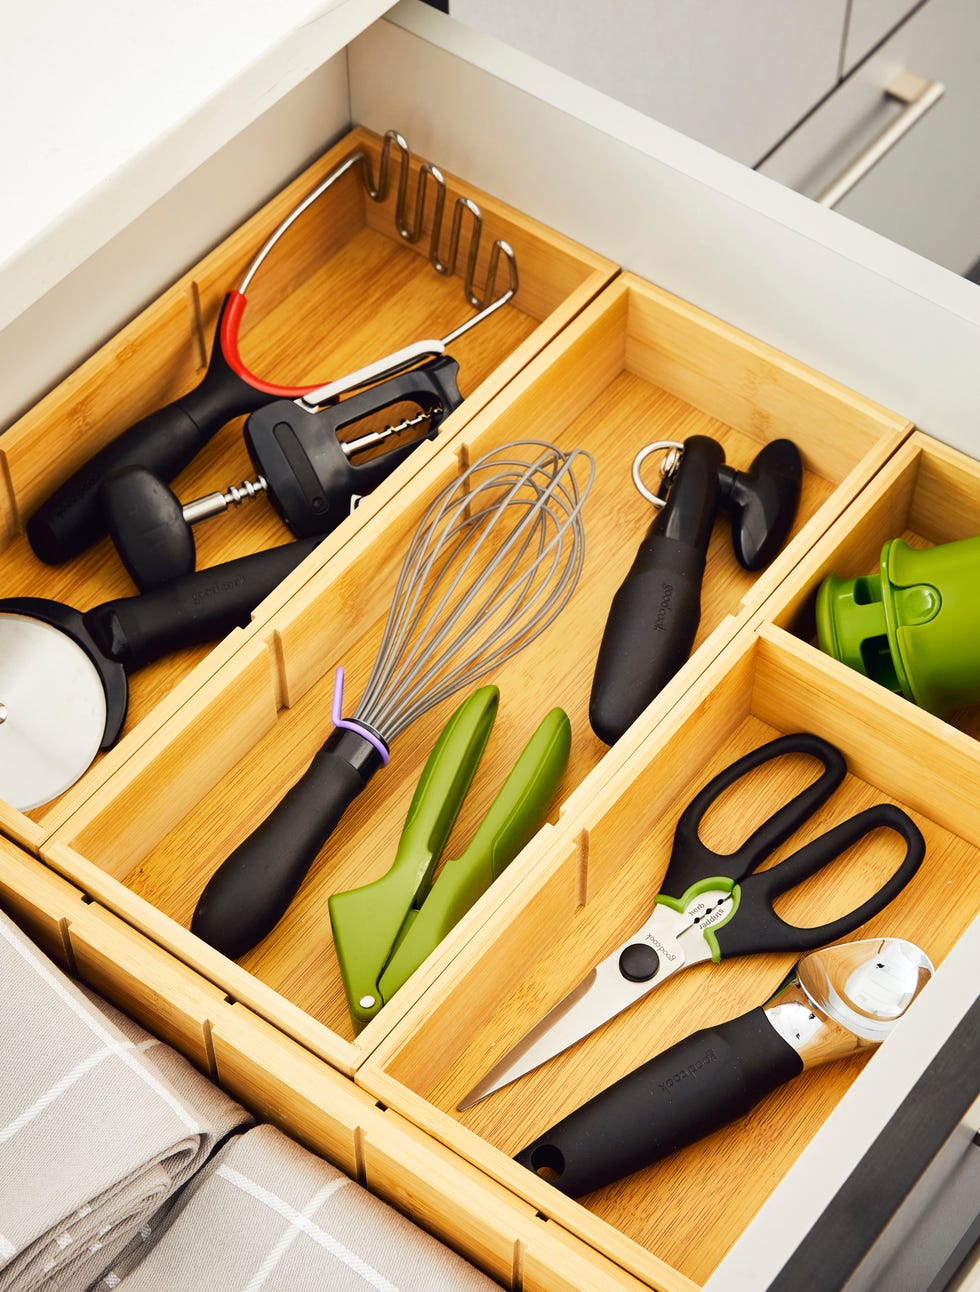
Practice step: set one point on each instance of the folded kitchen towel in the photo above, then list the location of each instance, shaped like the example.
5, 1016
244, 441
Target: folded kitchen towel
267, 1216
100, 1124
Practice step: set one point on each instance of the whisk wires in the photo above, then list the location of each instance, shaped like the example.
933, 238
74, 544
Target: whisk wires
495, 558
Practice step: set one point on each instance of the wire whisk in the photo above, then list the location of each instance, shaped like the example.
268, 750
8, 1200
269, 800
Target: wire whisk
495, 558
451, 621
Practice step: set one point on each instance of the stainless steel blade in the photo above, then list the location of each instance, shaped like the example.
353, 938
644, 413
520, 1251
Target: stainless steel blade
602, 994
52, 711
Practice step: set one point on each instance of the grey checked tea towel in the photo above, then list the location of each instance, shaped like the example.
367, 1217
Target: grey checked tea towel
267, 1216
100, 1124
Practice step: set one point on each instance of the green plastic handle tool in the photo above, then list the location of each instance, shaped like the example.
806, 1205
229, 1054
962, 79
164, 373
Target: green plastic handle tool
384, 930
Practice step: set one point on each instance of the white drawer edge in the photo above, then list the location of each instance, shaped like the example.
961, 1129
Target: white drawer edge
837, 1149
118, 123
864, 310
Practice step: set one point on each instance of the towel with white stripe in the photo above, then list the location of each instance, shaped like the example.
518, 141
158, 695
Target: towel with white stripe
100, 1125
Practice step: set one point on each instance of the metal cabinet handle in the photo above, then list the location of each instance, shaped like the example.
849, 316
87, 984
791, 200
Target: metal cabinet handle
918, 95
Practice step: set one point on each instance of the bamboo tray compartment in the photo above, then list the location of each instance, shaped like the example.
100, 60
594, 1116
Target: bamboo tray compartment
280, 1082
627, 370
672, 1223
340, 290
927, 494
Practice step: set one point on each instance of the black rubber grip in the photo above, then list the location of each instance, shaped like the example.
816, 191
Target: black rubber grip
691, 860
703, 1083
197, 608
250, 891
651, 627
655, 613
71, 518
755, 926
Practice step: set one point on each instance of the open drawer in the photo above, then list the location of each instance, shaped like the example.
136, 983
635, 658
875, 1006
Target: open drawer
672, 1223
844, 300
636, 365
281, 1083
341, 289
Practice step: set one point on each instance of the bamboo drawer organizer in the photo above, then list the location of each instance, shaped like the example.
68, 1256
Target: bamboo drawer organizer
927, 494
216, 736
282, 1083
629, 369
592, 884
340, 290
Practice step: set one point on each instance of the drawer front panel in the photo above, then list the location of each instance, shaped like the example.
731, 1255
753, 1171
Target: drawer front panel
686, 63
868, 23
925, 192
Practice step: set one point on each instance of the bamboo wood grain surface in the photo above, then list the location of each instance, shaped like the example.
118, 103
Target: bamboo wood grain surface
542, 940
337, 292
581, 396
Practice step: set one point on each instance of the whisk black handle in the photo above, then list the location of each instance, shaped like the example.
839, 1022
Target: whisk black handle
249, 892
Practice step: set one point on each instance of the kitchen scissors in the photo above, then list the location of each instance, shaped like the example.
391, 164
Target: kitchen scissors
714, 905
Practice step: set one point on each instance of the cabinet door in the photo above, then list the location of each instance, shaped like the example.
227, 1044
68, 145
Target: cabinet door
925, 192
869, 23
736, 76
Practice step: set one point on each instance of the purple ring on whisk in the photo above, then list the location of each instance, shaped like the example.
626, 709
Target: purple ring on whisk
351, 724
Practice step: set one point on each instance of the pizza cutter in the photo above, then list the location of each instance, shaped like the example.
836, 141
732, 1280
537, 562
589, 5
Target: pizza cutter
64, 686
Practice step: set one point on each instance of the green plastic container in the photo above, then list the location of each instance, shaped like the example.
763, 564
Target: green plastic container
914, 626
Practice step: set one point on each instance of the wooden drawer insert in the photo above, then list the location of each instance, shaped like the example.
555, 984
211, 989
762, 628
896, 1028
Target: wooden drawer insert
630, 368
674, 1221
282, 1083
340, 290
927, 494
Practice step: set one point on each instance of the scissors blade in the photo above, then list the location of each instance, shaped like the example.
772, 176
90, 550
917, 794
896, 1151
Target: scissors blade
602, 994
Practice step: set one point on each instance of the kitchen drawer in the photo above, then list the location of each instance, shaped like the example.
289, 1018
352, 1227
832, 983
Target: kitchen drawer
281, 1083
342, 283
726, 239
673, 1223
636, 365
924, 192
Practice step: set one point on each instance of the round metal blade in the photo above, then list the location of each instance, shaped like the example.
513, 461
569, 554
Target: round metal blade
52, 711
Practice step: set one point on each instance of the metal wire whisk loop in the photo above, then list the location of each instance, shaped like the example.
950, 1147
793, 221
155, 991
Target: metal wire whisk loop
495, 558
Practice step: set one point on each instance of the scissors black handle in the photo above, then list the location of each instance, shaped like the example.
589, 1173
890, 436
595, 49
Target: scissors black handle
691, 861
755, 926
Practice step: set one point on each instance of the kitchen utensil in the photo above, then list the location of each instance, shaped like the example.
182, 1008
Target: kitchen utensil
495, 558
655, 613
835, 1002
164, 442
64, 684
304, 468
913, 626
711, 906
384, 930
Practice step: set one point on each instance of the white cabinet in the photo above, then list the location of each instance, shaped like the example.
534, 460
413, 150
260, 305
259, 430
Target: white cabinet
868, 23
925, 191
736, 76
